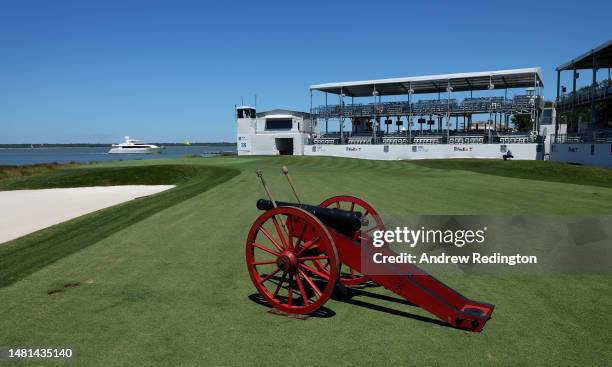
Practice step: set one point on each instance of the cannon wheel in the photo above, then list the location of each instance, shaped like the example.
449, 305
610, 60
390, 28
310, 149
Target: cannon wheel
282, 250
349, 276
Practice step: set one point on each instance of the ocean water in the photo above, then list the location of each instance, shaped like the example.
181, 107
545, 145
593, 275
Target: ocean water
24, 156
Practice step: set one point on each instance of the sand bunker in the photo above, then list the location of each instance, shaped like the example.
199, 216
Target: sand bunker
27, 211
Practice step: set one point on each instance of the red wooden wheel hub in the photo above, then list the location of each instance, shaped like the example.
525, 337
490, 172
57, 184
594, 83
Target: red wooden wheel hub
287, 261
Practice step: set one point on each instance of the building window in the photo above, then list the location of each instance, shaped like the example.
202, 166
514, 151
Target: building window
246, 113
547, 116
279, 124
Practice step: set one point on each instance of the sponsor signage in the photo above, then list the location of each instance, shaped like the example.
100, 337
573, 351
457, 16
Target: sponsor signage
244, 143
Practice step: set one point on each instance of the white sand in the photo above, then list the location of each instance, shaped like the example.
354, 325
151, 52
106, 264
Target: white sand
27, 211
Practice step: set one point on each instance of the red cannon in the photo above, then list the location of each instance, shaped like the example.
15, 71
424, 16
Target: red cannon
297, 254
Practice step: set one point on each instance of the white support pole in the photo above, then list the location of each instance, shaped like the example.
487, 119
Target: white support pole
326, 117
449, 89
376, 106
535, 101
353, 115
491, 86
409, 122
341, 117
311, 101
312, 119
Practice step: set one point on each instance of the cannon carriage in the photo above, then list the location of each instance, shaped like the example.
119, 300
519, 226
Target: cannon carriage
297, 254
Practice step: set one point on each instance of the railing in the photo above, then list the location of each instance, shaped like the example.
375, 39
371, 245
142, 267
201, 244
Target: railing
360, 140
466, 139
586, 95
597, 136
428, 137
520, 103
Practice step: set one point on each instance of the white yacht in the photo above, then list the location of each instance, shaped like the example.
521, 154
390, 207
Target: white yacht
134, 146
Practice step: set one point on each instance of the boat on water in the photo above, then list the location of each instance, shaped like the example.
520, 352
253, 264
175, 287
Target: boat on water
131, 146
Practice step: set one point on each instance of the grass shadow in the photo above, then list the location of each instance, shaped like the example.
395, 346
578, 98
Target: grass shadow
322, 312
348, 297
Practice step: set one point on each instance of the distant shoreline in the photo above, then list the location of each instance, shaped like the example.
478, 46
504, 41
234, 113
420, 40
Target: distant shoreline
94, 145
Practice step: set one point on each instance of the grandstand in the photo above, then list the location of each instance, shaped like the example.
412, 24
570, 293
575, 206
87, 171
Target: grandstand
586, 110
367, 117
408, 117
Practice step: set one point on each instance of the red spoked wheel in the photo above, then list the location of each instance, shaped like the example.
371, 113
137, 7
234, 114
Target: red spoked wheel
284, 251
372, 221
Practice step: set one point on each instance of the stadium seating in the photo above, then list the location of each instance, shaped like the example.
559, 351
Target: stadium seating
360, 140
326, 140
514, 138
519, 103
431, 139
466, 139
395, 140
523, 102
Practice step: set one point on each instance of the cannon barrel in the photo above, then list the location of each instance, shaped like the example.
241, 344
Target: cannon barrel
343, 221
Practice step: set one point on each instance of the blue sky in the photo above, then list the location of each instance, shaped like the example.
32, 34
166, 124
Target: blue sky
94, 71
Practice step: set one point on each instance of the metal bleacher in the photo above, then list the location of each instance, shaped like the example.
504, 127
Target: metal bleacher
329, 138
395, 139
466, 139
518, 104
485, 104
523, 102
434, 106
360, 139
435, 137
428, 139
602, 136
516, 138
326, 140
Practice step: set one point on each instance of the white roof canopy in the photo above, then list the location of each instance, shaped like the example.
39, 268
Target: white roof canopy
501, 79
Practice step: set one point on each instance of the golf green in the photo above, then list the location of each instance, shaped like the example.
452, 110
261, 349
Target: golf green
169, 286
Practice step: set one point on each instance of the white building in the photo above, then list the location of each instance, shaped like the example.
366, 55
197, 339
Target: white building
275, 132
547, 128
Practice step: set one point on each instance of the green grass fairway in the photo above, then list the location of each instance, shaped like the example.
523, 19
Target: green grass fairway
532, 170
169, 285
82, 176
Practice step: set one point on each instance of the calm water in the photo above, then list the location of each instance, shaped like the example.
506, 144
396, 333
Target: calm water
22, 156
